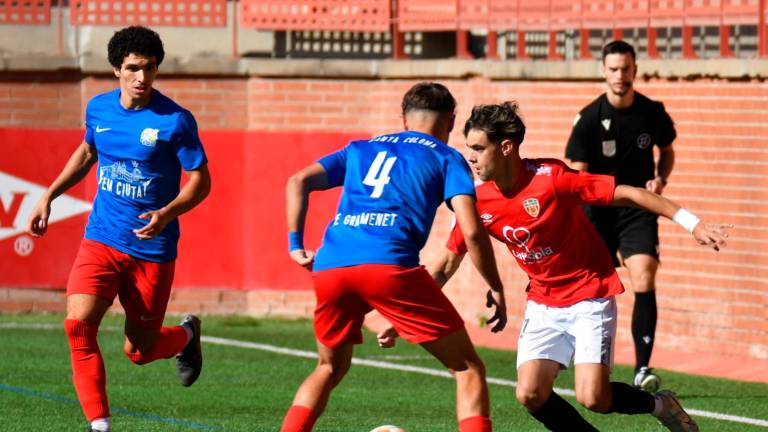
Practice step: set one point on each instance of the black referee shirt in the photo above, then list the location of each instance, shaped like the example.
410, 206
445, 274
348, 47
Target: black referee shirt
620, 142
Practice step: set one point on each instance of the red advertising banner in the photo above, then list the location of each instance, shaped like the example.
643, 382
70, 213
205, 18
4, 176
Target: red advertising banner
236, 239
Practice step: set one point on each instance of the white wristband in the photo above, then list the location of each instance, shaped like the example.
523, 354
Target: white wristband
686, 219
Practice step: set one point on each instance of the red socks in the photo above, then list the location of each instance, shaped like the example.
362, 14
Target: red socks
299, 419
88, 372
475, 424
171, 341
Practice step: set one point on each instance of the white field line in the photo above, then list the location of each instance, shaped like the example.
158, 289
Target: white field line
387, 365
445, 374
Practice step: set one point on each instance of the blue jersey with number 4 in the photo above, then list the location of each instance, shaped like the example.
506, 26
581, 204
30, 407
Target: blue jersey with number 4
393, 185
141, 155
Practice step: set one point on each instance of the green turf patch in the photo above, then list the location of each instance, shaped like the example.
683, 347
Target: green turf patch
245, 389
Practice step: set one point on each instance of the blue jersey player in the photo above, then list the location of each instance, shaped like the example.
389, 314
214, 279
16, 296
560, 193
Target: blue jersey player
393, 185
141, 140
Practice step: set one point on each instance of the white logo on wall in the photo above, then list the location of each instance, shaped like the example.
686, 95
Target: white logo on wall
149, 137
24, 245
17, 200
643, 141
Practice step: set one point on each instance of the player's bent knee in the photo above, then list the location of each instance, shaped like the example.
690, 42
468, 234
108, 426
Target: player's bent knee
334, 373
594, 402
81, 335
531, 399
644, 283
476, 367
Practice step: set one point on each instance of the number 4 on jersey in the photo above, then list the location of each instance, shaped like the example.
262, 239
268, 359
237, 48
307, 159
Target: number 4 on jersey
378, 175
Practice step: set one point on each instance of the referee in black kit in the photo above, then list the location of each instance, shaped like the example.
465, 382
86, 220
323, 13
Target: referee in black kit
615, 135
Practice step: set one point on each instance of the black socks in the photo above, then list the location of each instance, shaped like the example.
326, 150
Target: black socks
558, 415
630, 400
644, 327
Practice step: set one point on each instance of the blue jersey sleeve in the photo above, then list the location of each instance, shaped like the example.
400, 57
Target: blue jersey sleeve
187, 144
88, 127
335, 165
458, 179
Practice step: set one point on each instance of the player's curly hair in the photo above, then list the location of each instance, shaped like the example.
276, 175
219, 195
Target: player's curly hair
429, 96
499, 122
134, 40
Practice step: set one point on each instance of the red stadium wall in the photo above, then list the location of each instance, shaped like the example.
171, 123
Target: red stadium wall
258, 131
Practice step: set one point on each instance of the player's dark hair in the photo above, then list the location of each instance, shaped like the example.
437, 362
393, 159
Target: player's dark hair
136, 40
618, 47
499, 122
429, 96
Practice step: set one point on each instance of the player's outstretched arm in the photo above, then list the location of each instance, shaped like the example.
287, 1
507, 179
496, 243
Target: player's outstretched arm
193, 193
78, 165
707, 234
481, 253
311, 178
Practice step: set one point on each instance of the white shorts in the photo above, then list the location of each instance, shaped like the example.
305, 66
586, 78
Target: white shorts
584, 332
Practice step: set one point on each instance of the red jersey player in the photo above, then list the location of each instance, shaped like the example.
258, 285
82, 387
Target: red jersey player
534, 207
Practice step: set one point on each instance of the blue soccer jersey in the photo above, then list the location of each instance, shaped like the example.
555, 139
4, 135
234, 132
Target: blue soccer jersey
393, 185
141, 155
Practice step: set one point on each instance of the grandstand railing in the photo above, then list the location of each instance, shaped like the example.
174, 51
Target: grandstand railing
195, 13
25, 12
518, 18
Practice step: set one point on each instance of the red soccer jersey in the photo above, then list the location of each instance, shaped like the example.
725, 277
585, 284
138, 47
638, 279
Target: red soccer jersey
542, 223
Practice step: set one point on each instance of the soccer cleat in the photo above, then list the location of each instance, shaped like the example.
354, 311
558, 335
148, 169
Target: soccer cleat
672, 414
90, 429
646, 380
189, 362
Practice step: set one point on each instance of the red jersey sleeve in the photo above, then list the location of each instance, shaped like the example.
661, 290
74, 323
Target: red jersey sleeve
455, 241
583, 187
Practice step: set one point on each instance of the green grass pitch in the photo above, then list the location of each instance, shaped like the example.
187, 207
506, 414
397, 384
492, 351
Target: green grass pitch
248, 389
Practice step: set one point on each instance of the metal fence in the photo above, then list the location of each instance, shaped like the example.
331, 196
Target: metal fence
550, 29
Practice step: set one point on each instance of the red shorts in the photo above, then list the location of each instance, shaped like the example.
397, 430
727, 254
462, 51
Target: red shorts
407, 297
144, 287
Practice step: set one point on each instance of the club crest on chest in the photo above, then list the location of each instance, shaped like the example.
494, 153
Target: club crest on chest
532, 207
609, 148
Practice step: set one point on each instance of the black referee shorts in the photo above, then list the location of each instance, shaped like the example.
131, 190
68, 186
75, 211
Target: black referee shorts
629, 230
